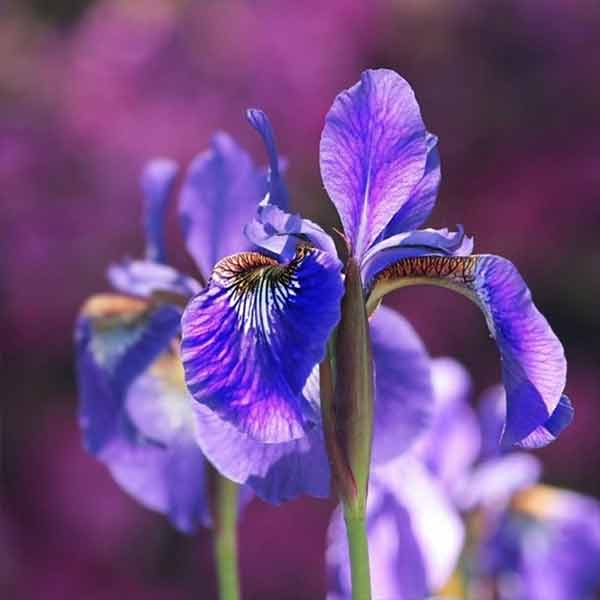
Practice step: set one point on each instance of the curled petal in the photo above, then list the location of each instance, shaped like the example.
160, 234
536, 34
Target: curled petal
533, 362
251, 339
415, 535
403, 393
144, 278
373, 153
116, 339
492, 411
280, 233
157, 182
278, 194
422, 199
415, 243
549, 431
219, 195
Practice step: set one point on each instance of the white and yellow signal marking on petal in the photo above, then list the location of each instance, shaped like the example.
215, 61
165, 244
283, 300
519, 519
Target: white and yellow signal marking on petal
257, 286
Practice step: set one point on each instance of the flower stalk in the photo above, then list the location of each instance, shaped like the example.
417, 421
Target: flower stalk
225, 508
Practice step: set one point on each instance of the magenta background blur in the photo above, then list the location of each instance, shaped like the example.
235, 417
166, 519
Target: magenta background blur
90, 90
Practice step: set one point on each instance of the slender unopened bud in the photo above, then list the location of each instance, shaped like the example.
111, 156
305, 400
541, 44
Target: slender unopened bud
353, 394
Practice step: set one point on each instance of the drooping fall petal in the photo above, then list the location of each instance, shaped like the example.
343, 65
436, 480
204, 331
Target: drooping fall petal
252, 338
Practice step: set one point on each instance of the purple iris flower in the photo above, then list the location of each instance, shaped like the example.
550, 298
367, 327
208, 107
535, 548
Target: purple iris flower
547, 545
135, 411
529, 540
254, 337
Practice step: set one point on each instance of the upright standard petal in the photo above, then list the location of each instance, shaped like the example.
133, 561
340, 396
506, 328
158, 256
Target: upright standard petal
415, 535
116, 339
373, 153
403, 392
422, 199
251, 339
157, 182
278, 194
221, 190
533, 361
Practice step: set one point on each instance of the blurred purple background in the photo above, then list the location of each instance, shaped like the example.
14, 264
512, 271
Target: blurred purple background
90, 90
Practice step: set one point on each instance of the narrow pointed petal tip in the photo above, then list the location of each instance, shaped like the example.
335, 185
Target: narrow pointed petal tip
251, 339
157, 180
278, 194
219, 195
533, 362
373, 153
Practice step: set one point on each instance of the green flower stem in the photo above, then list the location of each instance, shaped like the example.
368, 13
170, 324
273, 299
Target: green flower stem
225, 537
359, 553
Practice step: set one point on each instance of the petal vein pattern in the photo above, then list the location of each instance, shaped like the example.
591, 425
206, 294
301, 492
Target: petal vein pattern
251, 339
533, 361
372, 154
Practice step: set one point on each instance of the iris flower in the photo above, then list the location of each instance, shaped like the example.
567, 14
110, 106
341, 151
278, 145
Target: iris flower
135, 412
274, 446
547, 545
527, 540
253, 338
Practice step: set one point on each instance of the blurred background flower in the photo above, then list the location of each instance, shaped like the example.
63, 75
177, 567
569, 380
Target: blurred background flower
89, 90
